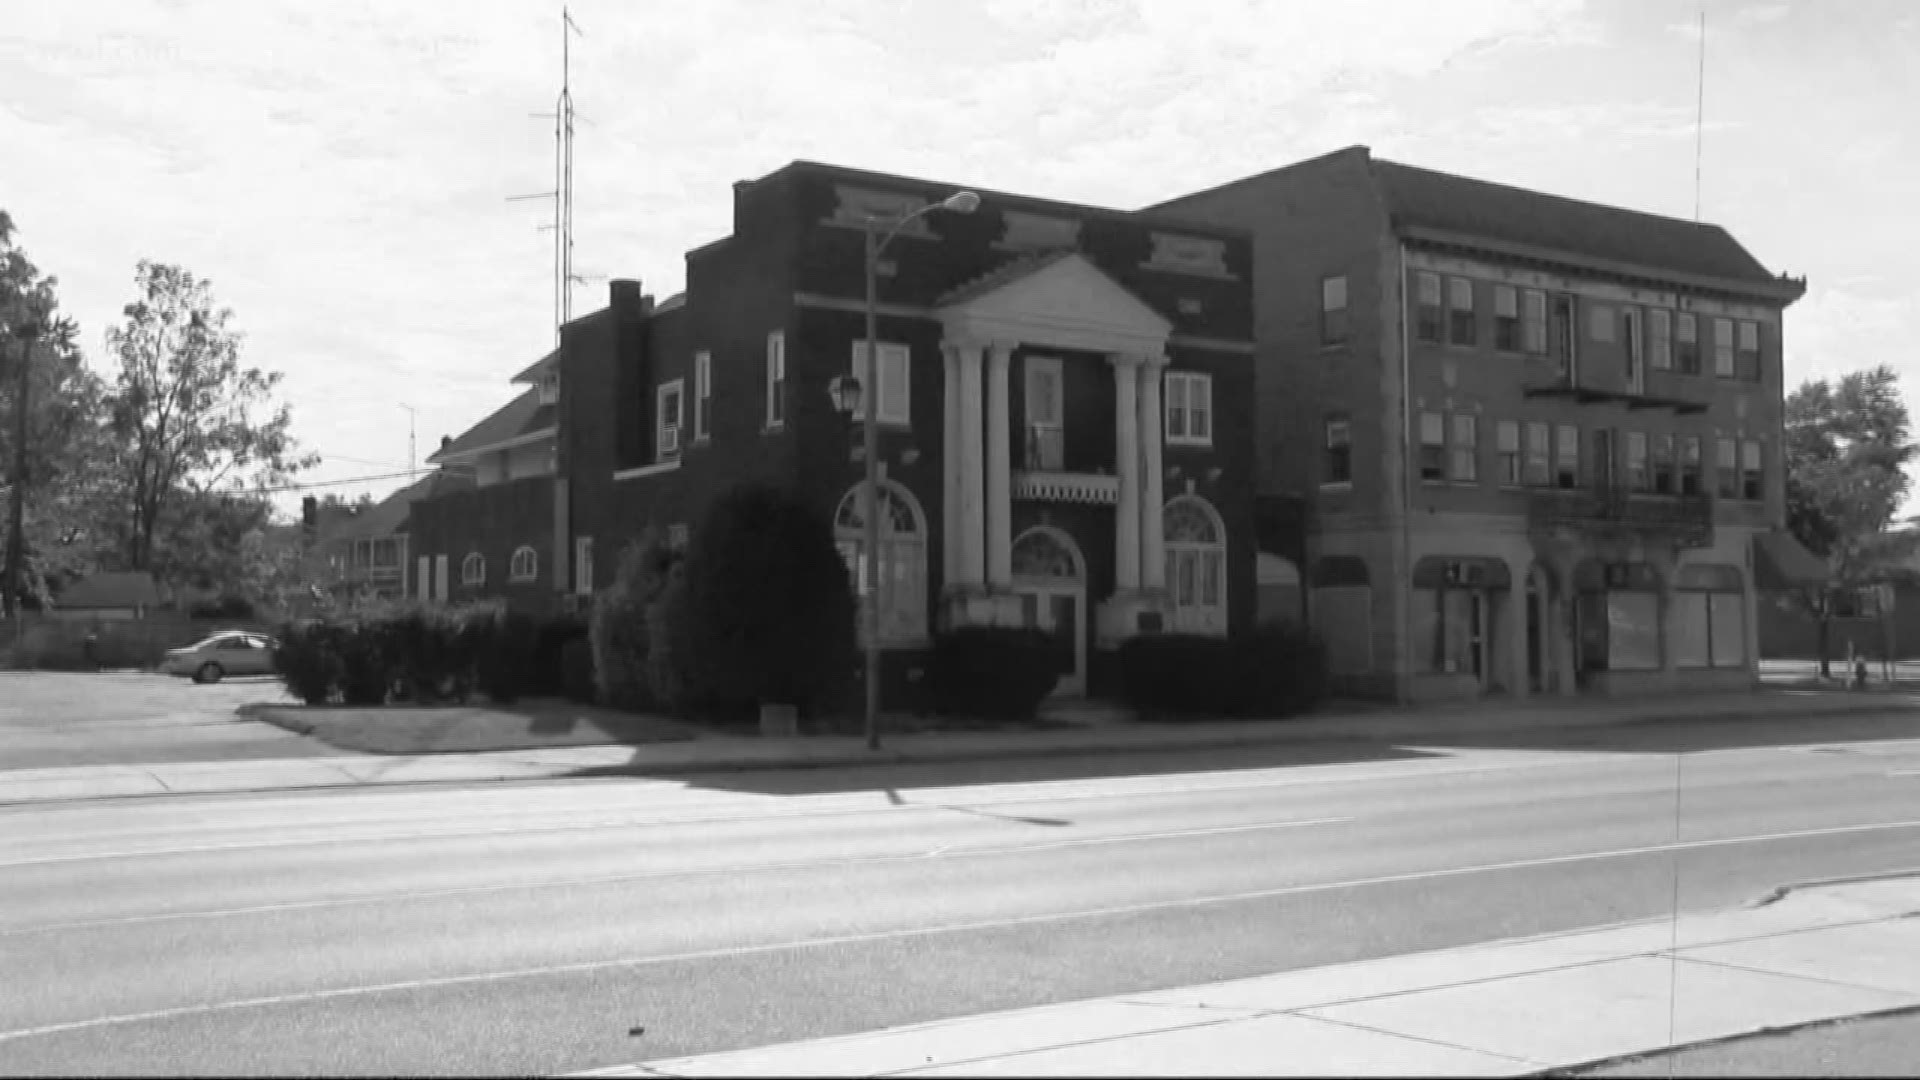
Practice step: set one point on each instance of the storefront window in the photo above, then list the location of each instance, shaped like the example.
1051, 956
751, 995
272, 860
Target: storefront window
1633, 631
1727, 617
1691, 642
1443, 631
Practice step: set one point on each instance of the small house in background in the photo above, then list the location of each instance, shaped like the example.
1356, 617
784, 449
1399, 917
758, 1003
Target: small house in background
118, 595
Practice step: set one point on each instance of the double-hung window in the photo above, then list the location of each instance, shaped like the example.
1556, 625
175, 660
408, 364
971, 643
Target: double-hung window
1506, 435
1566, 457
1339, 450
667, 419
895, 376
1637, 477
1333, 310
1433, 447
1686, 336
1723, 348
1663, 463
1506, 318
1690, 465
1189, 406
1534, 322
776, 378
1747, 356
1461, 329
1465, 465
1539, 453
702, 395
1752, 476
1660, 339
1727, 467
1428, 315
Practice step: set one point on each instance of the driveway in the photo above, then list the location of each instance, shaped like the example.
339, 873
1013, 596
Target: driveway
49, 720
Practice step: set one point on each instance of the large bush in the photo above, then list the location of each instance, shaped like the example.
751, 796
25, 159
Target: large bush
991, 672
232, 608
762, 611
576, 670
619, 625
308, 661
1277, 670
504, 649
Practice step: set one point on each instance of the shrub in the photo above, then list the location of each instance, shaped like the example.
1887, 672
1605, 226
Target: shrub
1277, 670
576, 665
619, 624
308, 661
226, 607
549, 677
368, 667
504, 644
763, 612
992, 672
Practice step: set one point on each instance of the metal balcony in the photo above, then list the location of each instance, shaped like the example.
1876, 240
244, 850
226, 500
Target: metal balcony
1615, 511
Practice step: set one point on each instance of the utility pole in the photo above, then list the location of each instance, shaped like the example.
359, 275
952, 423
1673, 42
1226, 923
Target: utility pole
27, 334
412, 416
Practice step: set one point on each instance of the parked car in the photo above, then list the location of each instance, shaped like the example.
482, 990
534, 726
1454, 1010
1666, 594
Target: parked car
230, 652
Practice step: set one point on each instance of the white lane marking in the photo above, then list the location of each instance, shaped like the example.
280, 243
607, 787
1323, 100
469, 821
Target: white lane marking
305, 996
959, 851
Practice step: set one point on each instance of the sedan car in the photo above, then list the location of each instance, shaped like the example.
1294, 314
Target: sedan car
231, 652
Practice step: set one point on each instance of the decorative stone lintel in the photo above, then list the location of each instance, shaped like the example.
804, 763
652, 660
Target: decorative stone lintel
978, 605
1129, 614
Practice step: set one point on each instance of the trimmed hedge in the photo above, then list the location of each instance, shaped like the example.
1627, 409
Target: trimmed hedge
419, 654
992, 672
1277, 670
576, 670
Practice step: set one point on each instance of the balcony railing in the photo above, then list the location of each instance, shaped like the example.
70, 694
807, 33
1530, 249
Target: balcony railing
1619, 509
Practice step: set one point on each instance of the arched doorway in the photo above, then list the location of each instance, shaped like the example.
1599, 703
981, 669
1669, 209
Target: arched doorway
903, 559
1196, 547
1050, 578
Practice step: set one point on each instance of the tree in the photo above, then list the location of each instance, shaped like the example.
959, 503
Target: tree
193, 429
62, 429
761, 610
1847, 445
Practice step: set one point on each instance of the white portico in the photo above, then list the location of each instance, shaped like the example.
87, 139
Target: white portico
1057, 301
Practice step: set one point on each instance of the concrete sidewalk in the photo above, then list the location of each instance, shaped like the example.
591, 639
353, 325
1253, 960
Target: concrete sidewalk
728, 753
1503, 1009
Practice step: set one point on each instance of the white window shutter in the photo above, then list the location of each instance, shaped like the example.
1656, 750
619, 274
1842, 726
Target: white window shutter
894, 375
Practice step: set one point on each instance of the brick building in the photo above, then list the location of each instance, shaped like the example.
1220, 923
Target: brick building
1540, 438
1065, 399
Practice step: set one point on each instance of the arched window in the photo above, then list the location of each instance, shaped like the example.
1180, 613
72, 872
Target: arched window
1039, 553
473, 569
1196, 545
903, 559
525, 565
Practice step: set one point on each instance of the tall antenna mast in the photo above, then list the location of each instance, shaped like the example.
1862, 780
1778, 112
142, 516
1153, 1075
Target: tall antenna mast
1700, 113
562, 193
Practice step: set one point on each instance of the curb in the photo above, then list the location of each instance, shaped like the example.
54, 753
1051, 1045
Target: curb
1780, 893
1568, 1072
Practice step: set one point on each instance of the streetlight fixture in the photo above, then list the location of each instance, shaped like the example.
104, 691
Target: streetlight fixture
960, 202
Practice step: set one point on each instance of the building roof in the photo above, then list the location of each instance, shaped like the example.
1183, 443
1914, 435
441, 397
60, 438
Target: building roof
521, 420
111, 590
388, 517
1006, 273
1424, 198
538, 368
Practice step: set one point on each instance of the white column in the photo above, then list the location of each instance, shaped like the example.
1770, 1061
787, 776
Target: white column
973, 564
1126, 458
999, 469
950, 531
1153, 540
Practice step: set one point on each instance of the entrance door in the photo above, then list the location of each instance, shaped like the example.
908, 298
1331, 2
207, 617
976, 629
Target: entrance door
1049, 579
1536, 619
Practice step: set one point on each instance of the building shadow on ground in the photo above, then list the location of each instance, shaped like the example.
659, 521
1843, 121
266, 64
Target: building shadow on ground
1899, 722
801, 780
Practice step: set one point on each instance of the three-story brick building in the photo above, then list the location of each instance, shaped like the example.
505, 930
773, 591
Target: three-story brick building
1541, 438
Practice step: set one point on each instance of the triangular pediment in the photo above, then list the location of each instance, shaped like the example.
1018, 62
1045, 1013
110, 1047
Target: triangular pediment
1063, 300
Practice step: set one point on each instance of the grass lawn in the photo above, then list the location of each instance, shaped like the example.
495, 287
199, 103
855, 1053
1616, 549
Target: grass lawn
526, 725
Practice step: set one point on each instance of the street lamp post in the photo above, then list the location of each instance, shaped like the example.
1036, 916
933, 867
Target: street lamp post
963, 202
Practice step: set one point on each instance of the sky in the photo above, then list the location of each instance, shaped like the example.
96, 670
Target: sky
341, 172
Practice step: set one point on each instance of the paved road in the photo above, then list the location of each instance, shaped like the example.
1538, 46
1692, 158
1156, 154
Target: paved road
555, 926
1881, 1046
50, 720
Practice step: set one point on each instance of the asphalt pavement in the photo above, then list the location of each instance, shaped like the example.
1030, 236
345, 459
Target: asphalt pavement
56, 720
1873, 1046
549, 927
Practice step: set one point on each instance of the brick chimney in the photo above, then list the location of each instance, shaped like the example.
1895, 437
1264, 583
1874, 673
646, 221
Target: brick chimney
623, 294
